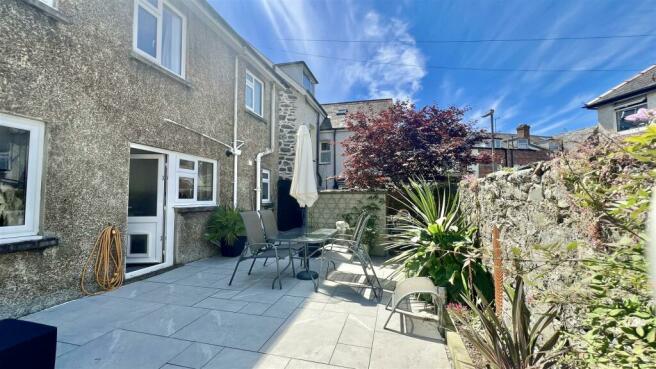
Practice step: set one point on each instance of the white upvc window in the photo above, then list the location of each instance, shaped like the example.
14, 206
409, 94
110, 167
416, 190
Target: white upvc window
254, 94
195, 180
266, 186
160, 34
325, 152
21, 156
50, 3
522, 143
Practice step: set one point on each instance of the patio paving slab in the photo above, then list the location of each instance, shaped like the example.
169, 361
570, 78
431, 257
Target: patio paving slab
222, 304
222, 328
63, 348
123, 349
351, 356
202, 279
255, 308
358, 330
177, 294
240, 359
393, 350
132, 290
308, 334
80, 321
196, 355
176, 274
303, 364
284, 307
165, 321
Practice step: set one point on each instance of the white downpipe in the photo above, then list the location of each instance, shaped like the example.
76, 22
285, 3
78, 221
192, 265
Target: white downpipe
258, 158
235, 148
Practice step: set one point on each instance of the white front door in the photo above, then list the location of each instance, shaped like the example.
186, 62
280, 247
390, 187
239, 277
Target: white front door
145, 209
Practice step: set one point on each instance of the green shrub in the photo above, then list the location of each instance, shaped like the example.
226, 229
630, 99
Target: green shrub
225, 226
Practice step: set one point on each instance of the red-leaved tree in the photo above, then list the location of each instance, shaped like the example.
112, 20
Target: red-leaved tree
401, 143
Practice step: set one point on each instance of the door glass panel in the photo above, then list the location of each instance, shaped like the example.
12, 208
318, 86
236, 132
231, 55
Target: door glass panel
138, 244
205, 181
14, 151
185, 188
142, 200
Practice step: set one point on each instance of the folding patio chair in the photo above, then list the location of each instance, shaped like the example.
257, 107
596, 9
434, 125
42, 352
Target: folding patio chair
359, 252
257, 247
271, 232
413, 287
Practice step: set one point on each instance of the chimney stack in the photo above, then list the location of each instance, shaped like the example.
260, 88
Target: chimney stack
524, 131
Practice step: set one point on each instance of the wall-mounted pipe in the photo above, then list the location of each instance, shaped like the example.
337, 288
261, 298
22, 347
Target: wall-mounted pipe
235, 148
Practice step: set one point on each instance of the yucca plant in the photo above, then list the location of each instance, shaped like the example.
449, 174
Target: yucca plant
521, 346
433, 239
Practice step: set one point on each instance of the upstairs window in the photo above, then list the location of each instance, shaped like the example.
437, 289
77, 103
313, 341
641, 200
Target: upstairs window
195, 179
554, 145
325, 152
254, 94
522, 143
307, 83
342, 111
21, 143
623, 112
266, 185
159, 34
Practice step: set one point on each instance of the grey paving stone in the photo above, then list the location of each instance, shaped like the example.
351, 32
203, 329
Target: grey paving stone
307, 334
225, 294
202, 279
284, 307
176, 274
393, 350
358, 330
80, 321
63, 348
196, 355
177, 294
255, 308
135, 289
165, 321
222, 328
303, 364
222, 304
351, 356
363, 307
123, 349
240, 359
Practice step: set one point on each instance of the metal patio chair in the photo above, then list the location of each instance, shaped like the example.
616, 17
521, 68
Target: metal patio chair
412, 288
271, 232
359, 252
257, 247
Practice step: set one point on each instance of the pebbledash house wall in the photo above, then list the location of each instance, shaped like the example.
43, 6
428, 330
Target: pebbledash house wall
80, 77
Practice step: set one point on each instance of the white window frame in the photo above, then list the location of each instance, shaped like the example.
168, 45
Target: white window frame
267, 182
34, 173
50, 3
621, 110
159, 14
252, 86
321, 151
186, 173
519, 145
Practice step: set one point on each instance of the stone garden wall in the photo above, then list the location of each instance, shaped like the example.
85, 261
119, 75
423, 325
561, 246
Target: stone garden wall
533, 210
335, 205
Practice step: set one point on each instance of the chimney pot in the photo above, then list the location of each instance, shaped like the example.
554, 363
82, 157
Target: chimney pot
524, 131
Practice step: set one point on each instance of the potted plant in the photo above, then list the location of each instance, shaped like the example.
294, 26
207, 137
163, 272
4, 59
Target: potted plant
225, 229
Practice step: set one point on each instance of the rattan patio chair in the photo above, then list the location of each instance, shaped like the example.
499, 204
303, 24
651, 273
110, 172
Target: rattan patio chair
257, 246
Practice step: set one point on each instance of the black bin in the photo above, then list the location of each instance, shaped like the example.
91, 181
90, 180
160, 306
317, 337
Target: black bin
27, 345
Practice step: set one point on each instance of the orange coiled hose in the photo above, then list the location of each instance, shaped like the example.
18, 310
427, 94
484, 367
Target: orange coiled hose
107, 259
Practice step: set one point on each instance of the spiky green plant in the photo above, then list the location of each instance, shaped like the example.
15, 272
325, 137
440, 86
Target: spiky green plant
433, 239
521, 346
225, 225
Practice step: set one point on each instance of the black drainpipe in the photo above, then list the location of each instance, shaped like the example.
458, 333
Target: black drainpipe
334, 159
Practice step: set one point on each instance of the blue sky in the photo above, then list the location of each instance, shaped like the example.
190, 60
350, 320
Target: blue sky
396, 55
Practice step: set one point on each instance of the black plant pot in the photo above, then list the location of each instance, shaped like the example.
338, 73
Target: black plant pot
235, 249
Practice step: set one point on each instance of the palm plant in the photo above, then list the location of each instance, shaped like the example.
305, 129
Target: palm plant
433, 239
225, 226
522, 346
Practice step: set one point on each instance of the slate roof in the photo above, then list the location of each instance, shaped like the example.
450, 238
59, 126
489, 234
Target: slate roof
640, 83
335, 121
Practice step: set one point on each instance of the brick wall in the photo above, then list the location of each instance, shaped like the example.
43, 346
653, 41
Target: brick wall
511, 158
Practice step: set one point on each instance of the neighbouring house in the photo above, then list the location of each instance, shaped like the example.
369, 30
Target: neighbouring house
145, 114
515, 149
614, 105
333, 132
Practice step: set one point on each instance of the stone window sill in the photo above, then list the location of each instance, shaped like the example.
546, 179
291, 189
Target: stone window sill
48, 11
25, 245
160, 69
259, 118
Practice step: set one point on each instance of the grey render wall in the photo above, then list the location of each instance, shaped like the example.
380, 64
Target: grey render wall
328, 171
95, 99
606, 114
